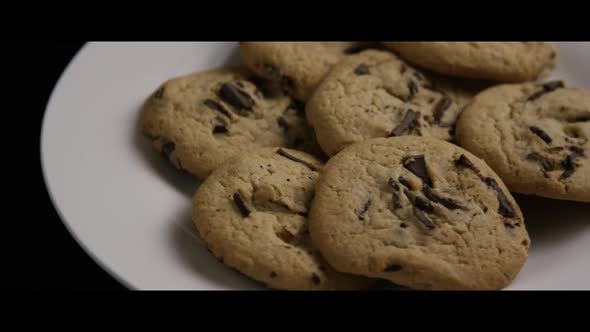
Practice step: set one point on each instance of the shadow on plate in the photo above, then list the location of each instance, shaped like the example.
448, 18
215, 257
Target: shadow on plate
191, 249
184, 182
551, 221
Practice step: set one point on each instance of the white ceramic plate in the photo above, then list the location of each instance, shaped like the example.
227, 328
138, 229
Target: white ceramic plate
131, 211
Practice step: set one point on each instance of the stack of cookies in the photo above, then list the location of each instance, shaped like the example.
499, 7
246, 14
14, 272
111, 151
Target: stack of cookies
341, 165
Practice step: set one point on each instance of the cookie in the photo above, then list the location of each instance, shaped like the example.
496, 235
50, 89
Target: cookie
252, 213
297, 66
198, 121
535, 136
420, 212
375, 94
511, 62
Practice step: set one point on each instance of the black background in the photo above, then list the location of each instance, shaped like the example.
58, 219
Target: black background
57, 262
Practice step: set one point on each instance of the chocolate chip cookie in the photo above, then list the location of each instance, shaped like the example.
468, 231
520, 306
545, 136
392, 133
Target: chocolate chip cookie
421, 212
535, 136
297, 66
376, 94
198, 121
499, 61
252, 213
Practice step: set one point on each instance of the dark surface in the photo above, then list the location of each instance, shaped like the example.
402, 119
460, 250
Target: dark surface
57, 262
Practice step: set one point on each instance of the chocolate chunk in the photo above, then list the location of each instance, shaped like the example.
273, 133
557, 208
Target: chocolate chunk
553, 85
541, 133
423, 205
362, 69
219, 125
283, 123
423, 218
417, 165
409, 121
395, 201
315, 279
392, 268
159, 93
361, 213
508, 225
217, 107
547, 87
393, 184
241, 205
569, 164
576, 149
446, 202
505, 208
167, 149
581, 118
405, 182
537, 158
441, 107
413, 88
297, 160
463, 161
273, 274
236, 97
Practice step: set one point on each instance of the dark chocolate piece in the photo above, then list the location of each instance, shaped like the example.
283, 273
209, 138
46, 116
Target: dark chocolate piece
362, 69
537, 158
364, 209
413, 88
441, 107
392, 268
417, 165
217, 107
446, 202
505, 208
219, 125
569, 164
463, 161
241, 205
315, 279
405, 182
297, 160
423, 218
541, 133
547, 87
423, 204
273, 274
236, 97
408, 122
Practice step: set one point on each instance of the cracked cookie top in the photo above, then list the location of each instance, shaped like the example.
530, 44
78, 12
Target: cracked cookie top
420, 212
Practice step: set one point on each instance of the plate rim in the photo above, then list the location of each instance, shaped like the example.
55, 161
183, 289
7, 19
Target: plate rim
42, 153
